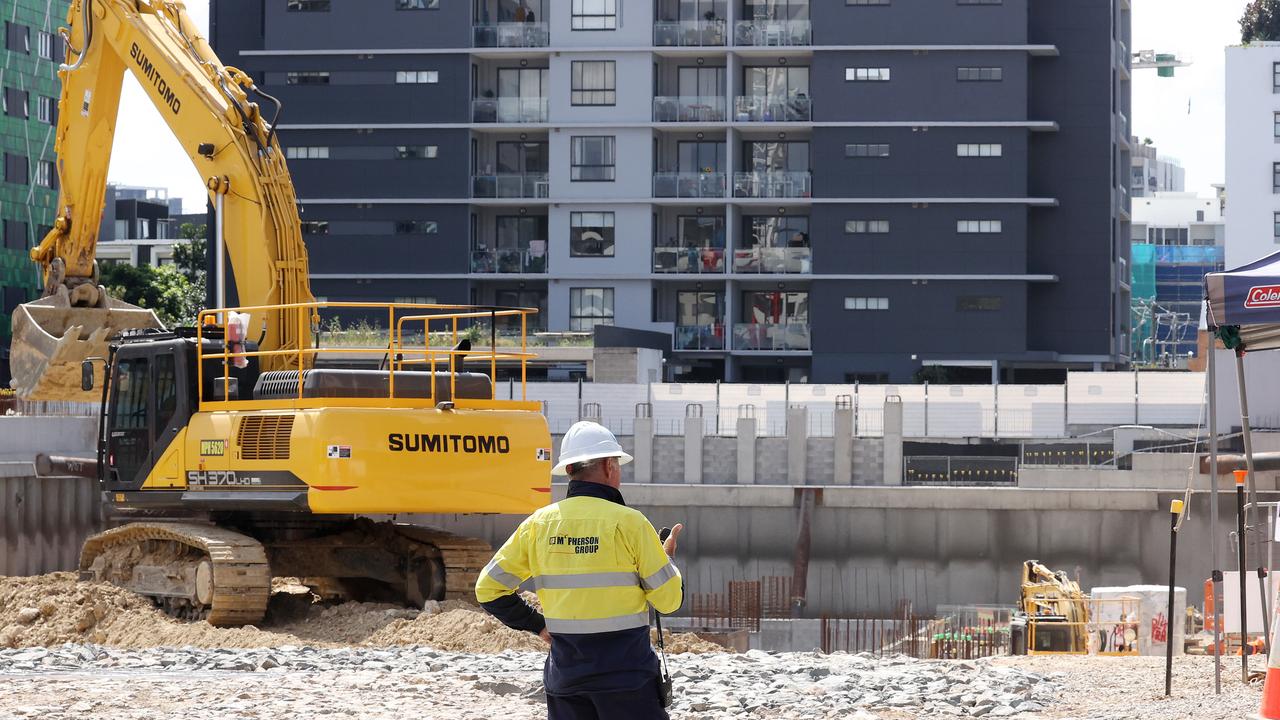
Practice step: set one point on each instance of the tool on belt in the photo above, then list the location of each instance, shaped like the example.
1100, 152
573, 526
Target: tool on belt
664, 687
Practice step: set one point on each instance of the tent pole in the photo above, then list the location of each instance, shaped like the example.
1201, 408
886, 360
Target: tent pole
1251, 518
1213, 515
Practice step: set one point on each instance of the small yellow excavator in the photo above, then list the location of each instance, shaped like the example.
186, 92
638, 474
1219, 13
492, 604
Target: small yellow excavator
1054, 610
239, 459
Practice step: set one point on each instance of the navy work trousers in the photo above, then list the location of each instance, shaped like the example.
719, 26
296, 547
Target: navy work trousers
641, 704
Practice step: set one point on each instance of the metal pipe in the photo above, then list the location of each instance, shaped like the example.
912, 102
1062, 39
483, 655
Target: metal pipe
1213, 518
66, 466
1263, 582
1251, 521
220, 250
800, 570
1240, 554
1175, 509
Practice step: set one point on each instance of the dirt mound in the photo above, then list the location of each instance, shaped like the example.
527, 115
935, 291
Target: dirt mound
54, 609
686, 643
469, 630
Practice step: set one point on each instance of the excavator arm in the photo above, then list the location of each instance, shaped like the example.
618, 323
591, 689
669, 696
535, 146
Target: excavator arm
215, 112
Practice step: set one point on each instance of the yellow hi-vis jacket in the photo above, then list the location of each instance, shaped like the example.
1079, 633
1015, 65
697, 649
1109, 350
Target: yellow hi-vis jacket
596, 566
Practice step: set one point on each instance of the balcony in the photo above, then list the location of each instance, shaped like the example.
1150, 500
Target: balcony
773, 260
511, 35
526, 185
763, 108
509, 261
689, 33
688, 185
771, 336
688, 108
772, 185
688, 259
699, 337
780, 33
509, 110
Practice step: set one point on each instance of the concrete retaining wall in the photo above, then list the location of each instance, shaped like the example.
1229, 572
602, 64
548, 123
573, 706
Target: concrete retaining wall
44, 521
935, 546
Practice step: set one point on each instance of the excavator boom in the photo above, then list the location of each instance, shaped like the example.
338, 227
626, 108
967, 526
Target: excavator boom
213, 111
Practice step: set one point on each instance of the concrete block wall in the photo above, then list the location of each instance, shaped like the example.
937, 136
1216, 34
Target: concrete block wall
771, 461
668, 459
720, 461
868, 461
820, 464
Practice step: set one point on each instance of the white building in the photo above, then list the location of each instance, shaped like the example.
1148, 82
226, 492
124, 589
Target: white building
1253, 151
1153, 172
1178, 218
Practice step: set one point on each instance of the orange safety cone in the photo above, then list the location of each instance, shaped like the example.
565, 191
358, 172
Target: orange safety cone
1270, 709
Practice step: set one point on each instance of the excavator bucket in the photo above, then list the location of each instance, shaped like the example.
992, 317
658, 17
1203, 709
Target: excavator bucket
51, 338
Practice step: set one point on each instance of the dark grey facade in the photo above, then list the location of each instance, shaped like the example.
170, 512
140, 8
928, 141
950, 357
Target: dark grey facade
808, 191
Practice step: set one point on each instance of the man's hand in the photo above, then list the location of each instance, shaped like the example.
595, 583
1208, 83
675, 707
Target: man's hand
545, 635
670, 544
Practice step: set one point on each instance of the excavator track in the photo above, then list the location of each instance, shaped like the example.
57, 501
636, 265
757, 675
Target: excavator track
240, 575
463, 557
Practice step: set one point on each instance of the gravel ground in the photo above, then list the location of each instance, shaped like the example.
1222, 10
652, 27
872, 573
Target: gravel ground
85, 681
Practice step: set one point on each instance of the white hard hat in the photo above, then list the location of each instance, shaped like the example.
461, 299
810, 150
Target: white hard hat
585, 441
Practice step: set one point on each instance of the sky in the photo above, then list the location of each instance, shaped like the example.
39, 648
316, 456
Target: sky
1183, 115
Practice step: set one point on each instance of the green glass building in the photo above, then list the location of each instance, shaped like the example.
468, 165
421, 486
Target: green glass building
31, 52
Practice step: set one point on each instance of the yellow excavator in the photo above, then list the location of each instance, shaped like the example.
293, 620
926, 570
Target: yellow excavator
236, 458
1053, 610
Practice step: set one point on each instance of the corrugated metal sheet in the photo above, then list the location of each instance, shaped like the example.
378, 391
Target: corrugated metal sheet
44, 521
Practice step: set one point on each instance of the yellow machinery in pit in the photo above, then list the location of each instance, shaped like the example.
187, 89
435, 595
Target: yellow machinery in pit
238, 460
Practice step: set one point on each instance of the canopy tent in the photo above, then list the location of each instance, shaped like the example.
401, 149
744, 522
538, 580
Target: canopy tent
1245, 302
1243, 311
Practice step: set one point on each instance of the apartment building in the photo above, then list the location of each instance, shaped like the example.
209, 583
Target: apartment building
829, 191
1153, 171
29, 91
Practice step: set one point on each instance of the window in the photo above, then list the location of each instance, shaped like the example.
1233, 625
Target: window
417, 152
44, 173
15, 102
417, 4
417, 227
1275, 77
17, 37
864, 150
866, 2
304, 152
44, 44
979, 303
867, 378
308, 5
315, 227
594, 82
44, 109
979, 150
858, 227
866, 74
979, 74
15, 169
15, 235
866, 303
415, 300
979, 2
592, 158
591, 234
594, 15
1275, 177
979, 226
427, 77
589, 307
307, 78
1275, 219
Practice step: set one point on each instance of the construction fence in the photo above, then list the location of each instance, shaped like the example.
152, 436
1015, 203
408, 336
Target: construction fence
991, 411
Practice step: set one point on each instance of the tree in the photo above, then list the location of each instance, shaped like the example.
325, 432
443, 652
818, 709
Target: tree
163, 289
1261, 21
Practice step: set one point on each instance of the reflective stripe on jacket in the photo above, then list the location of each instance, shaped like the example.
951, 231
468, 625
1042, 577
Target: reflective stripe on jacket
596, 566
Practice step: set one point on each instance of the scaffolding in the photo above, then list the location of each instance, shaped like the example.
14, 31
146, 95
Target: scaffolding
1167, 294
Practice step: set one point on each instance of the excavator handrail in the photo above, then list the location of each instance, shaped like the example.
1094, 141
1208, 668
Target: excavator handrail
394, 353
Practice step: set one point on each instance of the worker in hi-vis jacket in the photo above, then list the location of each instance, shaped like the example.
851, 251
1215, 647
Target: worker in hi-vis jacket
597, 565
